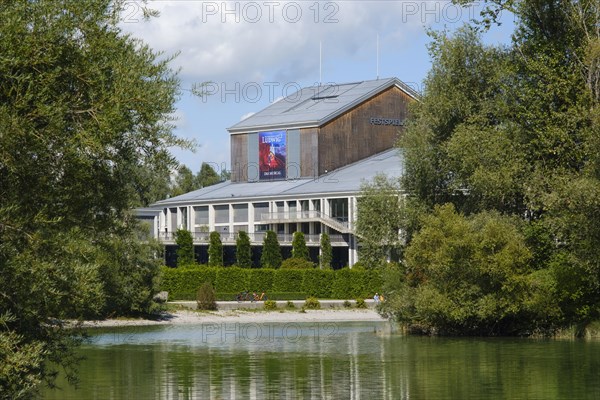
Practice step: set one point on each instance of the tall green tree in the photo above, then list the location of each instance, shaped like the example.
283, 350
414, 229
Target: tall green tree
326, 254
207, 176
185, 181
243, 251
515, 130
271, 252
379, 220
215, 250
85, 113
299, 248
185, 247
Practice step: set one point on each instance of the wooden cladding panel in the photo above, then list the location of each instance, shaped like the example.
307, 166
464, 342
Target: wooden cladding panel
239, 158
352, 137
309, 152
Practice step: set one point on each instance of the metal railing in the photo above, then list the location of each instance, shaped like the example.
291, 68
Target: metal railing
305, 216
255, 238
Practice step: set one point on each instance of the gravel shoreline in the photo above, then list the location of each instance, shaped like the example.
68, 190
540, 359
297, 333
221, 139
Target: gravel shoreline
182, 317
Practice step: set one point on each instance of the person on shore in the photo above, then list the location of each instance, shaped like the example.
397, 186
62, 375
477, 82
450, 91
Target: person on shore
376, 298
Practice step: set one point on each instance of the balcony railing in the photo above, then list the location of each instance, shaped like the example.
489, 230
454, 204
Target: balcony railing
255, 238
340, 224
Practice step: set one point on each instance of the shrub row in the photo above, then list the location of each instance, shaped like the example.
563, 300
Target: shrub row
279, 284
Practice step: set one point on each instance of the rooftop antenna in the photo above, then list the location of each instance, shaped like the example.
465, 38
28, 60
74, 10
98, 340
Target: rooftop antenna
378, 56
320, 62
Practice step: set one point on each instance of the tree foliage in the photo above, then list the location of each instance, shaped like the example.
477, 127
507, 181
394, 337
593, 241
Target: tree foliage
243, 251
215, 250
185, 181
326, 253
271, 252
185, 247
207, 176
299, 249
379, 220
85, 114
472, 275
514, 130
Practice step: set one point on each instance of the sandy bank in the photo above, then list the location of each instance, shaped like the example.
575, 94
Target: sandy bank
241, 316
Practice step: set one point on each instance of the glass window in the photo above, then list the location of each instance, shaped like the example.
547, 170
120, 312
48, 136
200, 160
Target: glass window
184, 217
173, 215
240, 213
260, 209
222, 214
339, 208
261, 228
201, 215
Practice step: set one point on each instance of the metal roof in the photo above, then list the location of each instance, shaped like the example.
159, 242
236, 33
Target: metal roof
347, 179
316, 105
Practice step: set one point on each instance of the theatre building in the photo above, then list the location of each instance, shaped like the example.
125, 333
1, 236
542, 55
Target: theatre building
297, 165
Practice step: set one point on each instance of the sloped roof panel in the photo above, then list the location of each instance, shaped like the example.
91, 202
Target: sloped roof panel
315, 105
347, 179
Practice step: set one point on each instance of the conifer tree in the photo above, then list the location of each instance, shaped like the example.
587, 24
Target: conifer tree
326, 255
185, 247
299, 249
215, 250
243, 251
271, 253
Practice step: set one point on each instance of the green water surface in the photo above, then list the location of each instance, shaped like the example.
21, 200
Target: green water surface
326, 361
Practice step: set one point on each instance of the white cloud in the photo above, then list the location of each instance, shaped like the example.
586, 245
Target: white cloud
282, 42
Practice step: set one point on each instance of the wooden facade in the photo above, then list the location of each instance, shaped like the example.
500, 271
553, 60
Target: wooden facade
348, 138
239, 158
309, 152
352, 137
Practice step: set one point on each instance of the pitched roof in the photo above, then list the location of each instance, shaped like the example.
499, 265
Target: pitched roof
347, 179
316, 105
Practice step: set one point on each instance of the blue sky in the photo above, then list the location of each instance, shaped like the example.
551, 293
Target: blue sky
255, 52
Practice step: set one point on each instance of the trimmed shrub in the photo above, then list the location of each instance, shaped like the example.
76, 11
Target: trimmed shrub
342, 287
312, 303
318, 283
288, 280
205, 298
182, 284
259, 279
360, 303
270, 305
297, 263
282, 284
231, 279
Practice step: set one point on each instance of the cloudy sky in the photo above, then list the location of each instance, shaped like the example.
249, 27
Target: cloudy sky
255, 52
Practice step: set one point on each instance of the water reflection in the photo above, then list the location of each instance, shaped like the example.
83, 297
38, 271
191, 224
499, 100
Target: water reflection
326, 361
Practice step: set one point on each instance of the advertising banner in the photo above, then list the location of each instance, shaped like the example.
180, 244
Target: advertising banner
271, 155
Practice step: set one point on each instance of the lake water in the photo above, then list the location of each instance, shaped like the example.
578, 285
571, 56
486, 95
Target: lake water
327, 361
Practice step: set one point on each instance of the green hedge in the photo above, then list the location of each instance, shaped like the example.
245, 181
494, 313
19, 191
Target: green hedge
318, 283
288, 284
288, 280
